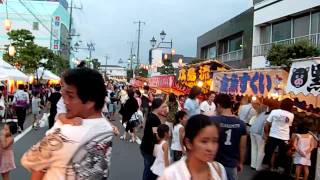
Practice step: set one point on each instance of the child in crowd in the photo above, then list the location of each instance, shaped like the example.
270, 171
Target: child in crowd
177, 145
303, 146
7, 158
201, 141
161, 150
36, 105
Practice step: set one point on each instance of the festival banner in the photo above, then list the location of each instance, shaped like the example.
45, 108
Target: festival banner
304, 77
161, 81
261, 83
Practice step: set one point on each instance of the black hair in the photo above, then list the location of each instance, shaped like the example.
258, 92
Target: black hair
82, 64
138, 93
13, 127
224, 101
162, 130
35, 93
286, 104
156, 103
179, 115
130, 93
146, 88
89, 83
195, 124
302, 128
57, 87
267, 175
195, 91
21, 87
172, 98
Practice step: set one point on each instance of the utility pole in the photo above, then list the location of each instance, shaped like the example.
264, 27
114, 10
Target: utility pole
90, 49
70, 25
139, 34
131, 55
107, 57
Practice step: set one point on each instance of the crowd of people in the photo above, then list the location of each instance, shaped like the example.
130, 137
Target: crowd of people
183, 137
245, 129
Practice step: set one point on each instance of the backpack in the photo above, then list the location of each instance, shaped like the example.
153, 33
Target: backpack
92, 160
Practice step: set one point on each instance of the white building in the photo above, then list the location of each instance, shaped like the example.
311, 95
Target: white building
285, 22
47, 20
114, 72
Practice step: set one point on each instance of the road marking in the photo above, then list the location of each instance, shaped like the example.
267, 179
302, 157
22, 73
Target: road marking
26, 131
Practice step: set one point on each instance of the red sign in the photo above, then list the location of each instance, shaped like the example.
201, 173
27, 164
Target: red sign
161, 81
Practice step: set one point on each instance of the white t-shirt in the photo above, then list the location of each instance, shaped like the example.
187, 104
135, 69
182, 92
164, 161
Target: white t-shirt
179, 171
35, 105
207, 109
246, 112
158, 165
192, 107
60, 144
61, 107
281, 121
175, 144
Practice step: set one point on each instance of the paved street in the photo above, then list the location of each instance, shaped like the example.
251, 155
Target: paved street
127, 163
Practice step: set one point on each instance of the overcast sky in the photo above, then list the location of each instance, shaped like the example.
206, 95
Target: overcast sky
109, 24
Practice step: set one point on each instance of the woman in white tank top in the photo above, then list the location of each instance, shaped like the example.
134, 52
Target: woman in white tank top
178, 134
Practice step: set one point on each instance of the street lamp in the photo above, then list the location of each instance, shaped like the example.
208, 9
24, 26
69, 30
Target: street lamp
162, 35
153, 42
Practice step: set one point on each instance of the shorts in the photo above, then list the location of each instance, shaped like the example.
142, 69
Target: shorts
111, 108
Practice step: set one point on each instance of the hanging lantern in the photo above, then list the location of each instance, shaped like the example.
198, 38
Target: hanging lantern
7, 24
12, 50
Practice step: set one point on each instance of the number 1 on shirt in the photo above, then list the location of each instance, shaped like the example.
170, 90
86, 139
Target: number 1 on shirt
228, 142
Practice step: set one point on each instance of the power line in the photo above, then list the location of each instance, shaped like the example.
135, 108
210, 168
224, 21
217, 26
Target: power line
35, 16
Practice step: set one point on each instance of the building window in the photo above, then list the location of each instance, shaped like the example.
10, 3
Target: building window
235, 44
315, 23
204, 53
265, 34
301, 26
281, 31
212, 52
35, 26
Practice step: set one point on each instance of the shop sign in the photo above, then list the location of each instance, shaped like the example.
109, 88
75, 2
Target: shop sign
56, 27
161, 81
304, 77
261, 82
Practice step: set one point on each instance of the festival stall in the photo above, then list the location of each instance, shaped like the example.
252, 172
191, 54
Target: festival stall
164, 83
47, 75
304, 85
266, 83
199, 74
11, 76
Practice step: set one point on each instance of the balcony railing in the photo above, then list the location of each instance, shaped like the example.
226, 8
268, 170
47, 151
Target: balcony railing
263, 49
231, 56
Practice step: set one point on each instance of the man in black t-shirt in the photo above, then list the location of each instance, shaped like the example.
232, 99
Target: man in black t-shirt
53, 99
232, 138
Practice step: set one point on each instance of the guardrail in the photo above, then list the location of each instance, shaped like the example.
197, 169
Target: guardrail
231, 56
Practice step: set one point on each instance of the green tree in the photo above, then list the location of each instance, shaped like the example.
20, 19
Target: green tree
281, 54
96, 64
29, 56
167, 67
141, 72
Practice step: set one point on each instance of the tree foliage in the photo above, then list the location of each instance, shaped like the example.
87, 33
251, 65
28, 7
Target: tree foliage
141, 72
30, 56
167, 67
281, 54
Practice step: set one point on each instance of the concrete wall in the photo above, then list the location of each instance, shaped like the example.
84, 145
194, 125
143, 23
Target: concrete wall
242, 23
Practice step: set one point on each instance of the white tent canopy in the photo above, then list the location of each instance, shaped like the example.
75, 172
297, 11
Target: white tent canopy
8, 72
46, 74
